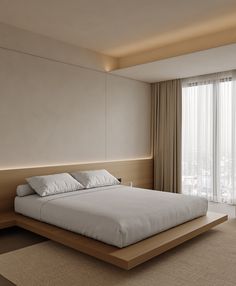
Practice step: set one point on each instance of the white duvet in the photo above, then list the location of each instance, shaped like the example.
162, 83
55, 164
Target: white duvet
117, 215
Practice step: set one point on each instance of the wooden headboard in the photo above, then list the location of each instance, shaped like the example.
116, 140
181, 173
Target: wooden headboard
139, 171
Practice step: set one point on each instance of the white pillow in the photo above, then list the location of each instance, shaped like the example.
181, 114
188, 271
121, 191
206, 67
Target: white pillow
24, 190
93, 179
54, 184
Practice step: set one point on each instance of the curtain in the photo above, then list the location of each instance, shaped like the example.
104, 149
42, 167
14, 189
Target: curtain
209, 137
166, 120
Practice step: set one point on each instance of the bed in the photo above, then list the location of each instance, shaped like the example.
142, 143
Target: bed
142, 241
117, 215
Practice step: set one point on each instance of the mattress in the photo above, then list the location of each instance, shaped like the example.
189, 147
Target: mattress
117, 215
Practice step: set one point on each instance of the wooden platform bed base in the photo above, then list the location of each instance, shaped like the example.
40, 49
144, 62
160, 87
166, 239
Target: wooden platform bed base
127, 257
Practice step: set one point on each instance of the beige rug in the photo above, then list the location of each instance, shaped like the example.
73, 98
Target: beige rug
209, 260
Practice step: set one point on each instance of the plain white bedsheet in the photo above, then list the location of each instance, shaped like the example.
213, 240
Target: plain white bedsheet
117, 215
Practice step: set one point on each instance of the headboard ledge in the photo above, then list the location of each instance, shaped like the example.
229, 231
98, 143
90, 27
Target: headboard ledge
139, 171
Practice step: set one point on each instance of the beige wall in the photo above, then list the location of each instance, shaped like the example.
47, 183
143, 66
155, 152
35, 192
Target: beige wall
53, 112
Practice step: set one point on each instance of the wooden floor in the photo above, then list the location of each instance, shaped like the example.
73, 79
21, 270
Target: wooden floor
127, 257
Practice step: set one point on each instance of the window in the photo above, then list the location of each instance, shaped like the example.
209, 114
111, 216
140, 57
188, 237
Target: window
209, 137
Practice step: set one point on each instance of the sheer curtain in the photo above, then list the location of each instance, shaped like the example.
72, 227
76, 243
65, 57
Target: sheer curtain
209, 137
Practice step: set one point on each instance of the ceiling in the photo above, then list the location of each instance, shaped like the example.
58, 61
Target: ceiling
118, 27
198, 63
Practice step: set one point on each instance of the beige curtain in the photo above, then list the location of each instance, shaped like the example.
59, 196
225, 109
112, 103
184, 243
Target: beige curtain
167, 122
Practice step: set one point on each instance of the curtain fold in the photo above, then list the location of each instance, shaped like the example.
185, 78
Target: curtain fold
167, 122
